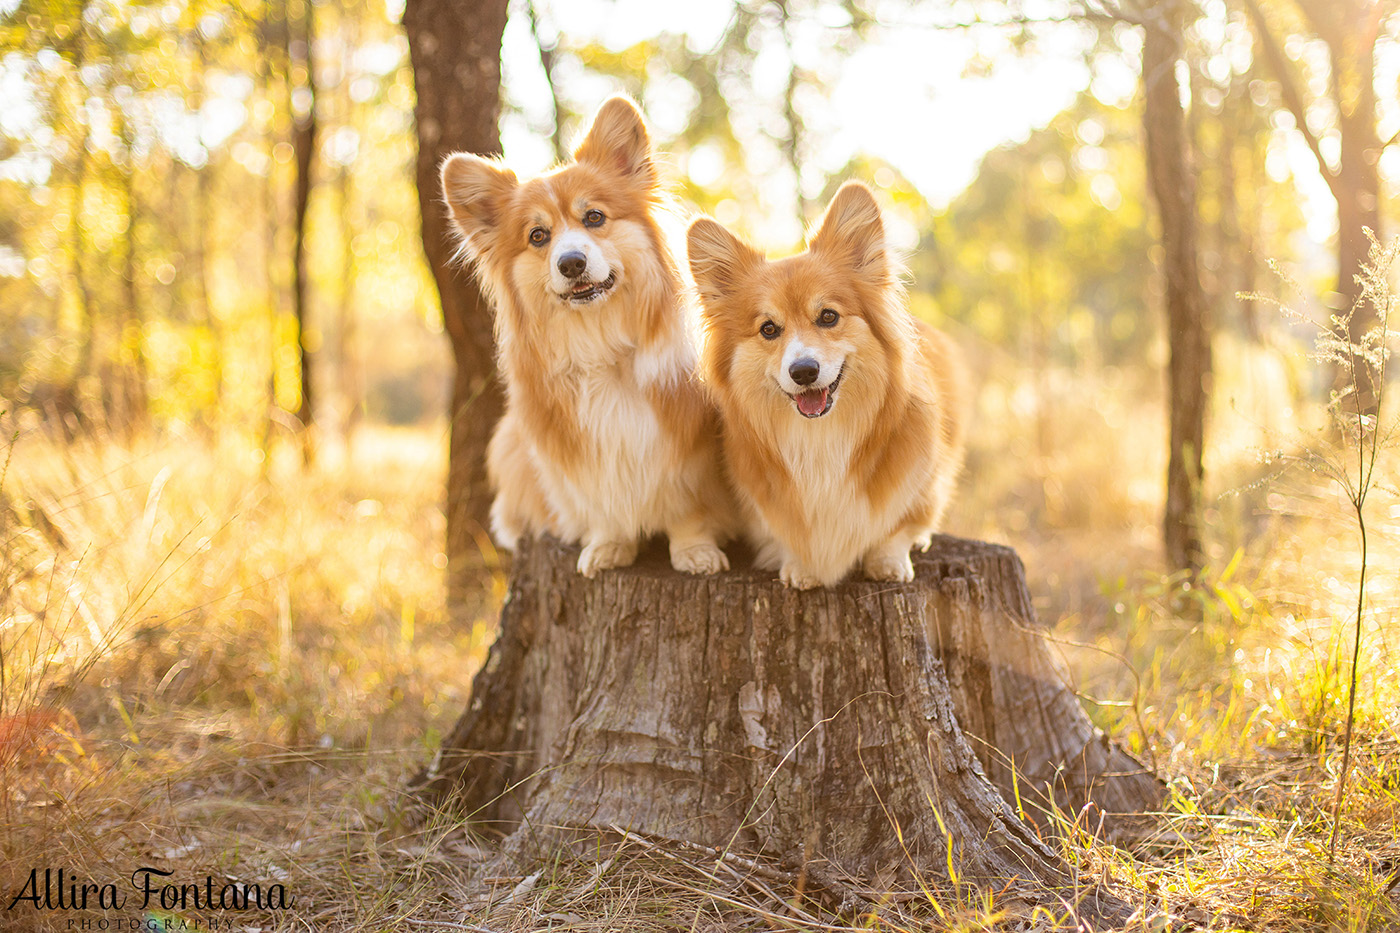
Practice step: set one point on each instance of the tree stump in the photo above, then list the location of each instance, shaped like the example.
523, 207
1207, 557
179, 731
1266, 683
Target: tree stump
864, 729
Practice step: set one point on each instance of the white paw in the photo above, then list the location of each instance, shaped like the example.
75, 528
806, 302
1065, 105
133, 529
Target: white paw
699, 558
896, 568
603, 555
794, 576
924, 542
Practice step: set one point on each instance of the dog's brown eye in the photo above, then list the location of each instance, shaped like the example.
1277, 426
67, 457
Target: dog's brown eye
827, 318
593, 218
769, 330
539, 236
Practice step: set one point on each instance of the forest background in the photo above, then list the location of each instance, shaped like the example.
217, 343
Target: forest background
225, 385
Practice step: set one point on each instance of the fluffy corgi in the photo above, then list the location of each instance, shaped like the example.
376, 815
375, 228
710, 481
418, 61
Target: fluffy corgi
607, 435
842, 413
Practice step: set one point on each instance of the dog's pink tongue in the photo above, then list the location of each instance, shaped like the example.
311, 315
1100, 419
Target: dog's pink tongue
812, 401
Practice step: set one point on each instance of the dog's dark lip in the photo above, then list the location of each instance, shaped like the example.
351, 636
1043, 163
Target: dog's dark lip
590, 292
830, 396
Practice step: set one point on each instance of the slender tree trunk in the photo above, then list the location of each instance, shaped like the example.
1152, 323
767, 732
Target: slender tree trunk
548, 54
204, 226
1358, 195
134, 374
87, 311
87, 320
345, 348
792, 144
456, 53
1238, 221
273, 26
859, 732
351, 375
1188, 367
302, 77
347, 351
1204, 147
1350, 30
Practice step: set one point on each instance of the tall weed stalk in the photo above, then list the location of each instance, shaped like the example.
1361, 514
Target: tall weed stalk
1351, 463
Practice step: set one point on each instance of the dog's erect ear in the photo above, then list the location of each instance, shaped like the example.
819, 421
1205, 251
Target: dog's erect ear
852, 228
476, 191
618, 140
718, 259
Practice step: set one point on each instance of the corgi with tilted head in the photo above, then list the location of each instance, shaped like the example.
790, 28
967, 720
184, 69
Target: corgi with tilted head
842, 413
607, 436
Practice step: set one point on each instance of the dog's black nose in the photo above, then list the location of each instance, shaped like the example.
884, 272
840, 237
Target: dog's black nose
805, 372
572, 264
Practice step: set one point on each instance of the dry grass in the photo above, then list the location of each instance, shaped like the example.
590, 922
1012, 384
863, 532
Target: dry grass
228, 668
219, 665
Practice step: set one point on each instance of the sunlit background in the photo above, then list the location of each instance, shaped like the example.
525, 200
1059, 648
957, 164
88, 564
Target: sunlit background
184, 588
147, 179
146, 157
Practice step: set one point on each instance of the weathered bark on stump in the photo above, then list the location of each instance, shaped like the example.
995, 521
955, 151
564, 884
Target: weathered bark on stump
851, 729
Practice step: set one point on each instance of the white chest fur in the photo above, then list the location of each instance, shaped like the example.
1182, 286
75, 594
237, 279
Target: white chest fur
840, 521
614, 413
622, 483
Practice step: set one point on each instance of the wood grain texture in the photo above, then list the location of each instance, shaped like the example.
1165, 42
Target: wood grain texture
864, 728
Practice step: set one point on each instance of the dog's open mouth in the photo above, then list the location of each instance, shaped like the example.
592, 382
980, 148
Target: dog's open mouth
584, 292
816, 402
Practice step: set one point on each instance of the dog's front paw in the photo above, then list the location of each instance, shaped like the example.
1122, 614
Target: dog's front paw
894, 567
794, 576
701, 558
604, 555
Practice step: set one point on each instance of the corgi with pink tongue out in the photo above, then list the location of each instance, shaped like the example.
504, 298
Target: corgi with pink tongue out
843, 414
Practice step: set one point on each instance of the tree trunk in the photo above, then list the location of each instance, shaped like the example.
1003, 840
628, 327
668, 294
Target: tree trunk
349, 369
549, 54
1242, 236
88, 351
133, 371
792, 143
272, 27
858, 731
85, 367
200, 240
455, 49
1350, 30
1188, 368
1358, 191
301, 75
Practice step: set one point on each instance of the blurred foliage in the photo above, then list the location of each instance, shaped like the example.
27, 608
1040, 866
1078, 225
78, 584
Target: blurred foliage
146, 187
195, 618
1048, 249
145, 182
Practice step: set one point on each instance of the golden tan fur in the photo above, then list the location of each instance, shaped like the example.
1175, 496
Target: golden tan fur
607, 435
872, 475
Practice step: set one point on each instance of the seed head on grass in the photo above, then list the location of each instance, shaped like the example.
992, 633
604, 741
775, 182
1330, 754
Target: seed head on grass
1362, 434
